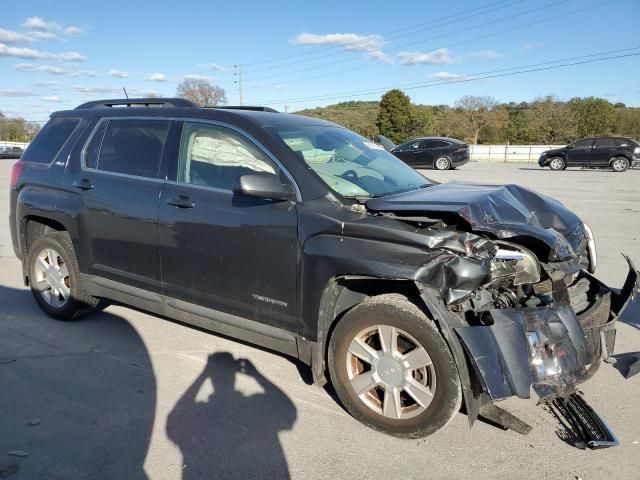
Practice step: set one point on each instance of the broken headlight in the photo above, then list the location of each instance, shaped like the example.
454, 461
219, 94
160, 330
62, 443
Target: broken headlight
516, 262
591, 246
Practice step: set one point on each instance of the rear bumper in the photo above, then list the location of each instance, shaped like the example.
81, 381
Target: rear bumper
548, 349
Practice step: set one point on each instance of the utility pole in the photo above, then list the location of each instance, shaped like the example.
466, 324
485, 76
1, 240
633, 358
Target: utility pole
238, 81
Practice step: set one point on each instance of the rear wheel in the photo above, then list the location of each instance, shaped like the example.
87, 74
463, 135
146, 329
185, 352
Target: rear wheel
442, 163
392, 369
55, 279
557, 163
620, 164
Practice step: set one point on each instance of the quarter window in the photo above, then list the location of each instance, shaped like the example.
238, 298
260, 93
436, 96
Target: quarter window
45, 147
214, 156
130, 147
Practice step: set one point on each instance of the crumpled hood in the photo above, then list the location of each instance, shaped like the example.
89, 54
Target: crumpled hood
504, 211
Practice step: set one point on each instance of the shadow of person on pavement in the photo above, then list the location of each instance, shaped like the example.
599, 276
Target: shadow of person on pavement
78, 398
231, 435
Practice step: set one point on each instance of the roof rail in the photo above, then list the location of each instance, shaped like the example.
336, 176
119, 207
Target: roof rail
247, 107
137, 102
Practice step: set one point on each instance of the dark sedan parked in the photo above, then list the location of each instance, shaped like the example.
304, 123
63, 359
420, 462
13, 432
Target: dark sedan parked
617, 153
441, 153
11, 152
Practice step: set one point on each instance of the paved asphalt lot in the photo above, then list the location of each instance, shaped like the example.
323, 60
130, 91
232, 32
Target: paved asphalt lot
126, 395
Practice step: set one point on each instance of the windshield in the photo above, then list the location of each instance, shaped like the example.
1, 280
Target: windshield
350, 164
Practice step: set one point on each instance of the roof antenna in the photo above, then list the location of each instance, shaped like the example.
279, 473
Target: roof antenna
125, 92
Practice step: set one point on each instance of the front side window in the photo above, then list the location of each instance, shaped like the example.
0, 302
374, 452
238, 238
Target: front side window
348, 163
129, 147
215, 156
583, 143
49, 141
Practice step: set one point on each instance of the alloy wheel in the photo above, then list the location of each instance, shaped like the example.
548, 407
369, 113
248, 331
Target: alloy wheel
52, 279
391, 372
619, 165
442, 163
556, 164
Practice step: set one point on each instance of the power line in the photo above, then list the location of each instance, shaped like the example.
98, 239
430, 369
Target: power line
405, 85
399, 47
389, 35
480, 77
360, 67
333, 47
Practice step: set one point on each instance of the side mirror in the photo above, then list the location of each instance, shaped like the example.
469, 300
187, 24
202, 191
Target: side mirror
262, 185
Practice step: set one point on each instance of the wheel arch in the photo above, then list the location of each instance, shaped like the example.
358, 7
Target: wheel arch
620, 155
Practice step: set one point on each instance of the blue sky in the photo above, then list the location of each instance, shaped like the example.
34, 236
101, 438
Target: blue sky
56, 54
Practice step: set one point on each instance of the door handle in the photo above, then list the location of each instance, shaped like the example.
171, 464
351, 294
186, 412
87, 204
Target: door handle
83, 184
181, 201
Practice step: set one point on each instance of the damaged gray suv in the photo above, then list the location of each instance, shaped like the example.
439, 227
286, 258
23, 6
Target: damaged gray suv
301, 236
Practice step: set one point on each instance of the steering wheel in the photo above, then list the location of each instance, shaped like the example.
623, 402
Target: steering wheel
350, 176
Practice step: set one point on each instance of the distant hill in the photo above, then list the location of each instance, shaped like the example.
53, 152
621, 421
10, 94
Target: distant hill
357, 116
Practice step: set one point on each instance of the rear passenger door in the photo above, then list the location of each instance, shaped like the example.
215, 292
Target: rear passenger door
602, 152
117, 180
223, 251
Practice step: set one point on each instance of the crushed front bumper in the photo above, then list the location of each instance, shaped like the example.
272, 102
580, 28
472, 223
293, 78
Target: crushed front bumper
548, 349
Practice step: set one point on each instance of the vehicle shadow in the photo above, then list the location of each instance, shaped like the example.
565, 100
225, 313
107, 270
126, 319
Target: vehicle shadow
231, 435
78, 398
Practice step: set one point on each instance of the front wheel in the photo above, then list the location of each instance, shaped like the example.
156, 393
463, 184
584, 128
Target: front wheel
620, 164
442, 163
557, 163
392, 369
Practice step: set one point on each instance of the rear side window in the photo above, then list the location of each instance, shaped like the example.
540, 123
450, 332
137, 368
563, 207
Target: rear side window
604, 142
129, 147
47, 144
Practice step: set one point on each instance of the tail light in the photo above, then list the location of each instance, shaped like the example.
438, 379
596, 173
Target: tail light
16, 171
460, 150
636, 151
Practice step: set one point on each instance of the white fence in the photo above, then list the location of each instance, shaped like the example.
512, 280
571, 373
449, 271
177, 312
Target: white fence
4, 144
509, 153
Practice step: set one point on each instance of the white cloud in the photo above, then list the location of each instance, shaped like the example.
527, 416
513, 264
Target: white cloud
487, 55
83, 73
530, 46
212, 66
51, 98
53, 70
118, 73
449, 76
32, 54
16, 93
350, 41
52, 29
195, 76
96, 89
379, 56
30, 67
11, 36
47, 83
436, 57
157, 77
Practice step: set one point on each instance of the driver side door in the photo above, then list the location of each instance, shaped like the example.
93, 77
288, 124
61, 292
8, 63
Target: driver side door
223, 251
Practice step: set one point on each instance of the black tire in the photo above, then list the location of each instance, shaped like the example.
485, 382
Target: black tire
442, 163
78, 303
619, 164
557, 163
397, 311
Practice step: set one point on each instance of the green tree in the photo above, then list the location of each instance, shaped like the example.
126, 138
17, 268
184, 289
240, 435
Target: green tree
518, 131
424, 120
594, 116
551, 121
394, 117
